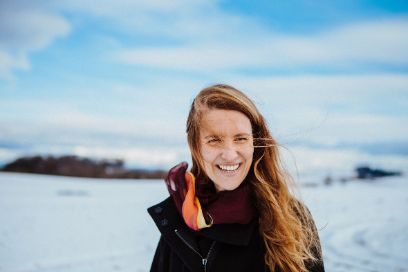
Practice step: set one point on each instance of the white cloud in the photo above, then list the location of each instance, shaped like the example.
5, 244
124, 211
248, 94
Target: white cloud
24, 28
323, 89
9, 62
46, 124
366, 43
178, 20
381, 41
330, 109
360, 128
126, 7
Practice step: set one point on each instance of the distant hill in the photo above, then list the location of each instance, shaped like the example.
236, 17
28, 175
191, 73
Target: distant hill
79, 167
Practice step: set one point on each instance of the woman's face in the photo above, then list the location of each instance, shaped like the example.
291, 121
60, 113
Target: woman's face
226, 147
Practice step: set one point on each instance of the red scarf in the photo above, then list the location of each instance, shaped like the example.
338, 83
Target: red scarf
225, 207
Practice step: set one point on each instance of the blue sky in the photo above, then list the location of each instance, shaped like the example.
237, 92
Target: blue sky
116, 78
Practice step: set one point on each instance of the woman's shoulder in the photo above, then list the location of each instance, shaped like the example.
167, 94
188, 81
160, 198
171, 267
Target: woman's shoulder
308, 223
164, 213
158, 208
301, 210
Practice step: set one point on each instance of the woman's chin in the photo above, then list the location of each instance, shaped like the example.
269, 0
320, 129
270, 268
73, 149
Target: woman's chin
226, 180
227, 185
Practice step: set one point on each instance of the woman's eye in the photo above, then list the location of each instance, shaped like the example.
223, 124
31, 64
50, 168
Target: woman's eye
213, 141
241, 139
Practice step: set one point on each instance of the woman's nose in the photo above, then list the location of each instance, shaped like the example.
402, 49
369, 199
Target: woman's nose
229, 153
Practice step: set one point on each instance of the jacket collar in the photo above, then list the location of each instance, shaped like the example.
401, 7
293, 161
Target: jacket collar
166, 217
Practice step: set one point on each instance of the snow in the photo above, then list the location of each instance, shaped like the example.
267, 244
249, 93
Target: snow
53, 223
62, 224
363, 225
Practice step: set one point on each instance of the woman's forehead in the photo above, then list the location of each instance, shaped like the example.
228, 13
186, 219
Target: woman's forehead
225, 123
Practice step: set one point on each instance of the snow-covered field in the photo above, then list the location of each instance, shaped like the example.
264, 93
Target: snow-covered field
62, 224
363, 225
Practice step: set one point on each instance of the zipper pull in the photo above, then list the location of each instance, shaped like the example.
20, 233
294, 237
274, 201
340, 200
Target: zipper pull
204, 262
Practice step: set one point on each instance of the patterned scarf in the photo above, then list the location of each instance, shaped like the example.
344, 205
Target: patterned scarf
227, 207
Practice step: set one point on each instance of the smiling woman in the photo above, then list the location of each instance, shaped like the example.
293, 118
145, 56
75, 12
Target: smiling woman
233, 211
227, 147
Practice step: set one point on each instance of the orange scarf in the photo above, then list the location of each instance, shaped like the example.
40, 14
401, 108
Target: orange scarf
228, 206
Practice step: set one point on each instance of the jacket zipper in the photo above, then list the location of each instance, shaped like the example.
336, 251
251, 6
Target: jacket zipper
203, 260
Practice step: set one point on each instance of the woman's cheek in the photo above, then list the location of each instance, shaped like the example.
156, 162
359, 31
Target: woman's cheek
208, 154
248, 152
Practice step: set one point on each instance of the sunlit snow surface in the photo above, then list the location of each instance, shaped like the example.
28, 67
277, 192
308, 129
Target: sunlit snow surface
64, 224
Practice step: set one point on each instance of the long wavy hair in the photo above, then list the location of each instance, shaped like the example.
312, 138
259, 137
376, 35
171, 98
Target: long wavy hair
285, 224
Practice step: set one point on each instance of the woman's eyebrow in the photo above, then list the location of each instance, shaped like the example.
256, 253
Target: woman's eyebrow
242, 134
211, 136
236, 135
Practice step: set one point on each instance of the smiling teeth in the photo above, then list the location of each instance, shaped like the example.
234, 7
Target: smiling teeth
229, 167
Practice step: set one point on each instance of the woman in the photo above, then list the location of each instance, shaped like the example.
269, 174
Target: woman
233, 211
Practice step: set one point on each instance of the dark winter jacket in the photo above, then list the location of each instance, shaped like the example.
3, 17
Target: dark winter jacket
224, 247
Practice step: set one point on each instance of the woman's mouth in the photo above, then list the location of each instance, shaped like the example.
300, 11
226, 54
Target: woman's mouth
228, 167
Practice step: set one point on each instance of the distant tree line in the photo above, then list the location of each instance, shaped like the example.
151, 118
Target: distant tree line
79, 167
